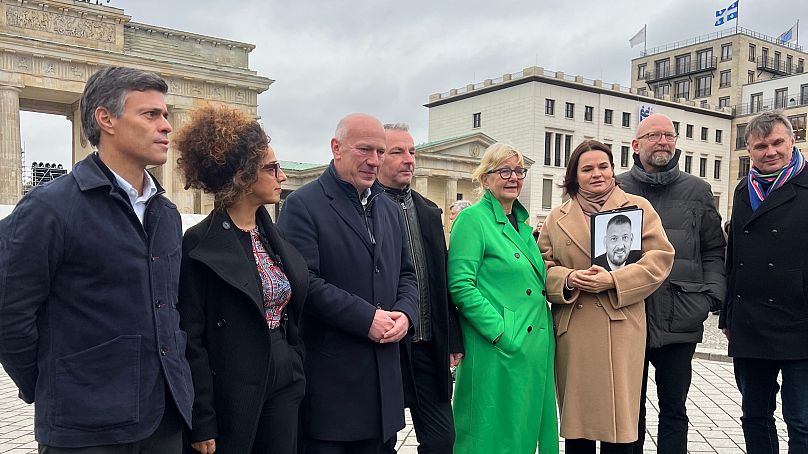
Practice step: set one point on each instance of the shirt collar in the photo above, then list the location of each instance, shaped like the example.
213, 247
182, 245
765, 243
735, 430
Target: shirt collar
149, 188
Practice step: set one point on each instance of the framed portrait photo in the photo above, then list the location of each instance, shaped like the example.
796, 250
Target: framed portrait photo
616, 237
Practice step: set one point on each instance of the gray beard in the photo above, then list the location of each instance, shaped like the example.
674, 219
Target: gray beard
660, 160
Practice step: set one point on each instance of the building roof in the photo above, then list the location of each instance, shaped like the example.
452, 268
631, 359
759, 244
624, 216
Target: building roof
300, 166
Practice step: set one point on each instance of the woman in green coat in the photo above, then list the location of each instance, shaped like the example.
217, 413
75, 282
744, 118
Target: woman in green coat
504, 399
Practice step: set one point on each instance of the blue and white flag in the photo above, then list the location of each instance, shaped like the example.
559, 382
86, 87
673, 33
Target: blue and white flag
788, 35
722, 16
646, 111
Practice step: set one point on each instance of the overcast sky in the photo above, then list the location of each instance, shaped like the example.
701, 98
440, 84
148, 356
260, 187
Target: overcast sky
385, 58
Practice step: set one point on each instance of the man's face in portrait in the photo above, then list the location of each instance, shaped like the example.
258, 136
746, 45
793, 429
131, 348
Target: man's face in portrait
618, 242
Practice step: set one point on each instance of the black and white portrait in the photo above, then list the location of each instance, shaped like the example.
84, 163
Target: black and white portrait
616, 238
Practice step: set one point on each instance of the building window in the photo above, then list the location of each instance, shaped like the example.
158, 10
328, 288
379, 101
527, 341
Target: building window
718, 135
557, 156
548, 148
682, 89
589, 112
703, 86
704, 133
717, 169
800, 65
546, 194
702, 167
567, 149
624, 153
756, 103
607, 116
662, 90
750, 77
703, 104
804, 94
723, 101
642, 91
608, 145
764, 54
726, 79
688, 163
676, 126
780, 98
740, 137
663, 68
683, 64
717, 200
743, 166
626, 119
475, 120
569, 110
641, 71
752, 52
777, 56
726, 52
789, 63
705, 58
549, 106
689, 131
798, 123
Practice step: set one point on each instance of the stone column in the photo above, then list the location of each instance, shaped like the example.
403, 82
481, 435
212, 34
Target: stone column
10, 156
449, 198
81, 146
421, 184
172, 180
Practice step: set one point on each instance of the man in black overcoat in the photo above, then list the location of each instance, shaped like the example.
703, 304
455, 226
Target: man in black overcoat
362, 297
437, 341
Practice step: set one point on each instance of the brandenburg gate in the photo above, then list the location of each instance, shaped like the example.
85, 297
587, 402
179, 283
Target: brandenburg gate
49, 48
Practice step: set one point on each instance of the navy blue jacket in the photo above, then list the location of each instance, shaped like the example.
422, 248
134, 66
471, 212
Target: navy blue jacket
354, 386
89, 329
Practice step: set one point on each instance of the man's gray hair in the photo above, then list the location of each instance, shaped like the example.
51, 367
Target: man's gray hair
397, 127
108, 88
763, 125
459, 205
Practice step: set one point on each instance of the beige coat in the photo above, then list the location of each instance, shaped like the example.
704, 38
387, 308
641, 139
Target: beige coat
600, 338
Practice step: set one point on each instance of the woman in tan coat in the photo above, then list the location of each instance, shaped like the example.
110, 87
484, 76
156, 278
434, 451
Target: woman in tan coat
599, 315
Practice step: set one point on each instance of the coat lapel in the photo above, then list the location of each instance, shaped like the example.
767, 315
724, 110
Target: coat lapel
344, 209
221, 251
574, 224
526, 247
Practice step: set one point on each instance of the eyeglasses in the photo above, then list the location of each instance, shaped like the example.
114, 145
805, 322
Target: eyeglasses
505, 173
272, 167
657, 136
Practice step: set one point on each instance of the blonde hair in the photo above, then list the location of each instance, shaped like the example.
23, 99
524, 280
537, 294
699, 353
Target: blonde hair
494, 156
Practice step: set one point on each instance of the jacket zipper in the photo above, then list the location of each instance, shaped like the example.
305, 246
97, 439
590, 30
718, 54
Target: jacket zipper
415, 267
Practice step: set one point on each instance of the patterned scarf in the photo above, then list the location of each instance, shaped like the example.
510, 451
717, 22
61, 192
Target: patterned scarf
761, 185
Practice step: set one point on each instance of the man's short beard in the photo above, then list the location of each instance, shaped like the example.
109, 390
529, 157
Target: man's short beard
660, 159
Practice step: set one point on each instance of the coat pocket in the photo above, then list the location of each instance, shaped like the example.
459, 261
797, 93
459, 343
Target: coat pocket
690, 306
99, 388
508, 342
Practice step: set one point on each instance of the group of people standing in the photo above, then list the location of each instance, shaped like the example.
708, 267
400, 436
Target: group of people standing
313, 334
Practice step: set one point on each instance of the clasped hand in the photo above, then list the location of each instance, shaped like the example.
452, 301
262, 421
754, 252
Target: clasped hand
594, 279
388, 326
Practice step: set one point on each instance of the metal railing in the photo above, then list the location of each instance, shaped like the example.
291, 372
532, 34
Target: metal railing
776, 66
682, 70
716, 35
769, 104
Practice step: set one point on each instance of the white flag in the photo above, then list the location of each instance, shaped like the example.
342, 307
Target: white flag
639, 38
788, 35
722, 16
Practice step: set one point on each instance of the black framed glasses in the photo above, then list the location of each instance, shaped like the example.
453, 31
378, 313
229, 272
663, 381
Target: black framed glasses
505, 173
273, 167
657, 136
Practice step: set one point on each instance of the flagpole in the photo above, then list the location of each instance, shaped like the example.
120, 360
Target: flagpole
645, 37
737, 16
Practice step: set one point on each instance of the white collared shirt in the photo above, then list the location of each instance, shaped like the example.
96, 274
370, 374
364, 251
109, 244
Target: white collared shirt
138, 201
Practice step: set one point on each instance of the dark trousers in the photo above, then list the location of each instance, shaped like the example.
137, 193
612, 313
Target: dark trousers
166, 439
673, 373
277, 426
432, 416
757, 381
375, 446
584, 446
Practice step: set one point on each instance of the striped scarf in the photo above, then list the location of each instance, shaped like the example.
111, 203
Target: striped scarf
761, 185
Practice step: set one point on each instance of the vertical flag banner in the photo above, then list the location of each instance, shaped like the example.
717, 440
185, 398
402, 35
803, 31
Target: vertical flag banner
638, 38
788, 35
722, 16
646, 110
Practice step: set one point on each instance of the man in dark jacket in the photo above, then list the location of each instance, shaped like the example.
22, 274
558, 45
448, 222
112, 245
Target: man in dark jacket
765, 316
676, 311
89, 267
437, 342
362, 297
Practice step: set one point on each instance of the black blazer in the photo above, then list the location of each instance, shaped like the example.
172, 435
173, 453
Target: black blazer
766, 307
221, 309
633, 257
446, 335
354, 385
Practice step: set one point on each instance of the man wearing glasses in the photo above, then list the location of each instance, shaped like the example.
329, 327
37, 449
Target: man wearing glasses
676, 311
362, 297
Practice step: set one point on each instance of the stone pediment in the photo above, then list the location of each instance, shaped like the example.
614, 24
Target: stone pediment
468, 147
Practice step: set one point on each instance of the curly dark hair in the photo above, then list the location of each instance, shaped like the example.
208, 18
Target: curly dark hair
220, 152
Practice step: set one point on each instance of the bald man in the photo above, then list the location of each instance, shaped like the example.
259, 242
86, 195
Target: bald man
362, 297
676, 311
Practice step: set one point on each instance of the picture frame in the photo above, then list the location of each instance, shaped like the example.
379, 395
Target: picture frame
616, 237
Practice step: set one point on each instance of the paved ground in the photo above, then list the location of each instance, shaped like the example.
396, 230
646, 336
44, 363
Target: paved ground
713, 408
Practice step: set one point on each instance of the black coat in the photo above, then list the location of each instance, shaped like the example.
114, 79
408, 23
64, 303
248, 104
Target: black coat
354, 387
766, 307
89, 329
602, 260
446, 335
221, 309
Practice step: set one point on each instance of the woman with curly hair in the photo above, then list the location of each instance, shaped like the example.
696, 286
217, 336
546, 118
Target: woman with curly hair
242, 289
